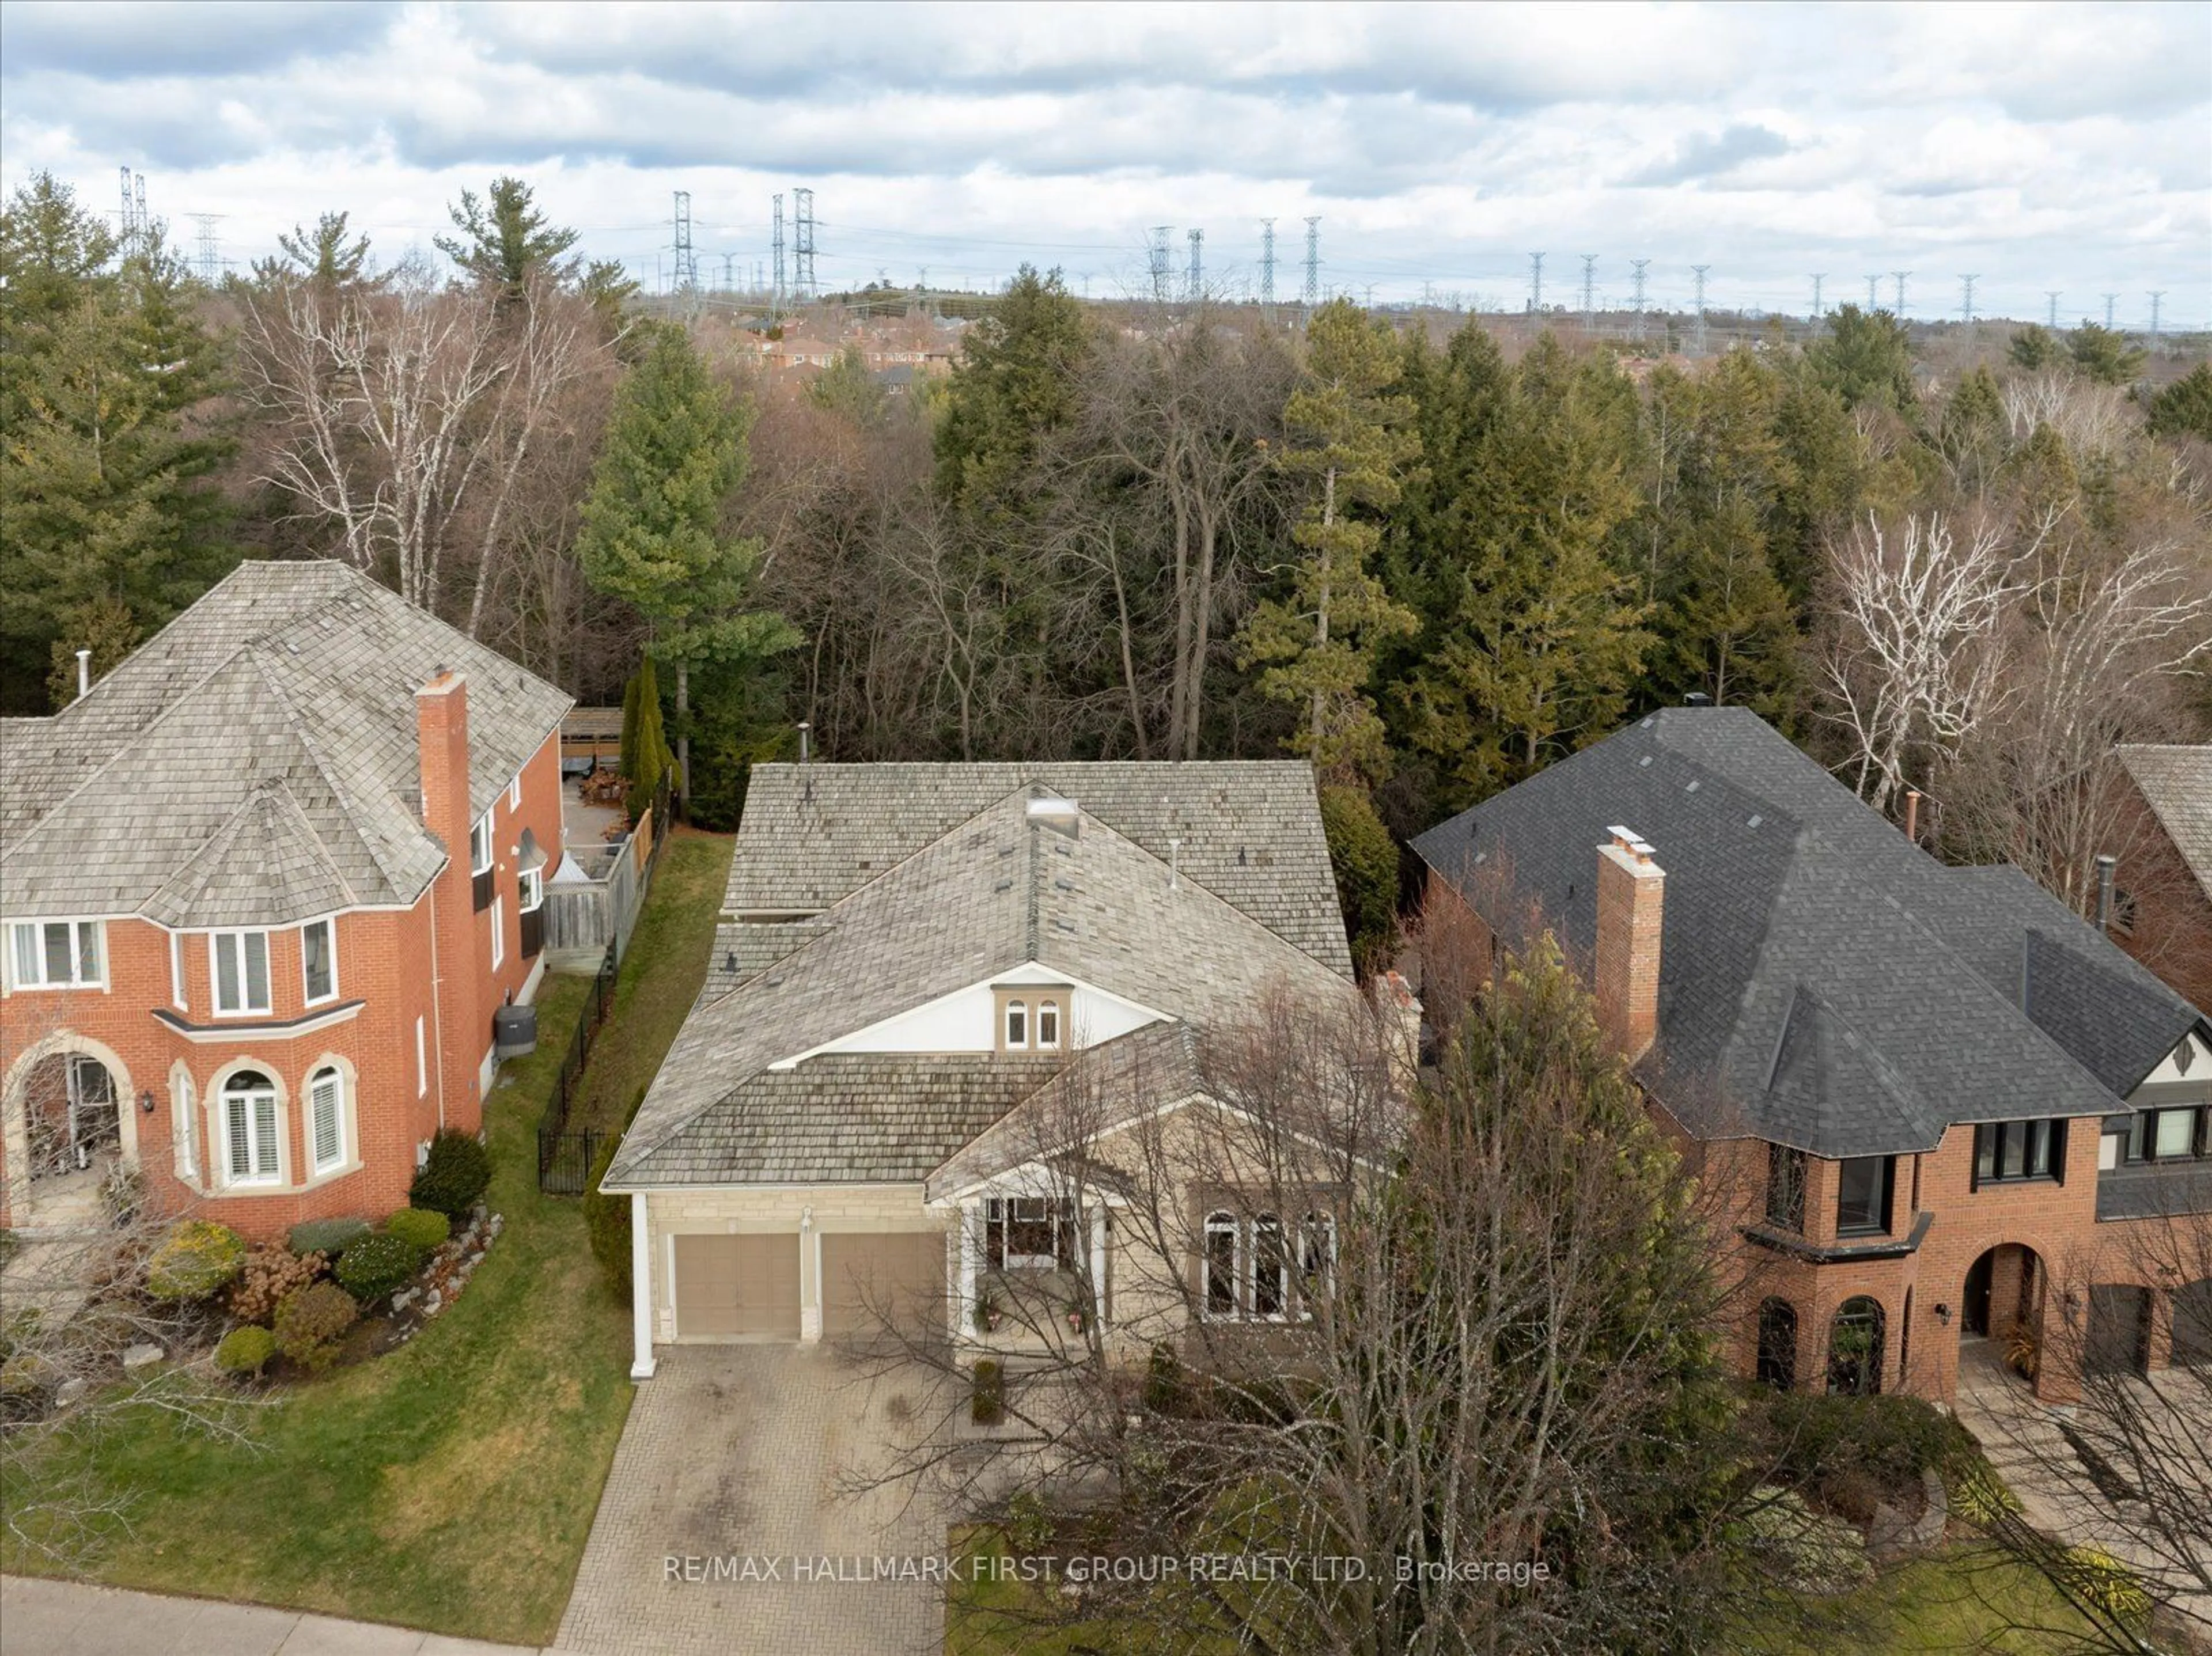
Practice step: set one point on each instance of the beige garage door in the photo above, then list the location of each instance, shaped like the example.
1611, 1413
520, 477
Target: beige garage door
865, 1274
732, 1285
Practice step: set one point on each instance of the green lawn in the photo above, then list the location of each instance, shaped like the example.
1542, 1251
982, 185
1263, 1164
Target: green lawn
662, 975
451, 1484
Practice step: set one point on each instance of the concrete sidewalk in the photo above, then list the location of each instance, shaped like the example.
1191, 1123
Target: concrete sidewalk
40, 1618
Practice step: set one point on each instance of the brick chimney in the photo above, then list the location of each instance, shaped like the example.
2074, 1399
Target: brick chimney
1631, 895
442, 738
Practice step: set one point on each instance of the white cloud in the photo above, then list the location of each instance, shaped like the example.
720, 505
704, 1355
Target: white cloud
2045, 146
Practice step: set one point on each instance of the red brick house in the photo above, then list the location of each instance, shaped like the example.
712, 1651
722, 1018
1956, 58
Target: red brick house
1937, 1106
2162, 887
262, 889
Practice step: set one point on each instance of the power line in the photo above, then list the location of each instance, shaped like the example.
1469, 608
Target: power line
1312, 299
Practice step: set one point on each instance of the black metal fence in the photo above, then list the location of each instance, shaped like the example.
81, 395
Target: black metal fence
565, 1158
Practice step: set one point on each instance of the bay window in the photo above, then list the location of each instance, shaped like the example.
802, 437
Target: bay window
237, 962
1862, 1194
327, 1118
250, 1142
319, 960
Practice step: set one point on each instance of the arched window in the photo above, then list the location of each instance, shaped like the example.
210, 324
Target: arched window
1778, 1344
327, 1118
1018, 1025
1855, 1343
249, 1130
1221, 1296
1270, 1268
1047, 1024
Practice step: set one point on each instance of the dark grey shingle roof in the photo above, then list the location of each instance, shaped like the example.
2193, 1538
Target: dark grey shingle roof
255, 761
1247, 830
1823, 982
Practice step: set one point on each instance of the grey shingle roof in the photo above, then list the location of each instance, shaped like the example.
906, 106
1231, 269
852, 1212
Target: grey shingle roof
1823, 982
1250, 830
255, 761
996, 891
2177, 782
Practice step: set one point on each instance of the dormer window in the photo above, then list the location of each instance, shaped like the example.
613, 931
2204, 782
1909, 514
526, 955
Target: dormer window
1018, 1025
1032, 1017
1047, 1025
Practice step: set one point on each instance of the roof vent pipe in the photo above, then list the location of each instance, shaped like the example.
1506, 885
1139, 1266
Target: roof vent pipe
1912, 815
2105, 865
806, 741
1697, 698
83, 671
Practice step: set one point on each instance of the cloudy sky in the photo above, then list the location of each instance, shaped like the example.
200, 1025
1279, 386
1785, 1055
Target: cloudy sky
2039, 148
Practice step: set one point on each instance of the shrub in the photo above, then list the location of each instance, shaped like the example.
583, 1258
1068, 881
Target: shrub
1029, 1526
453, 1176
1164, 1384
308, 1323
1847, 1454
245, 1350
273, 1273
2095, 1577
1365, 861
375, 1265
607, 1217
987, 1406
194, 1260
328, 1237
424, 1227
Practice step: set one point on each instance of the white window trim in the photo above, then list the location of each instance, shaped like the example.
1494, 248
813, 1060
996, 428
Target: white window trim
1014, 1008
16, 980
1234, 1229
330, 925
530, 884
421, 1059
216, 1007
480, 832
177, 997
1040, 1042
498, 931
317, 1167
1285, 1269
271, 1179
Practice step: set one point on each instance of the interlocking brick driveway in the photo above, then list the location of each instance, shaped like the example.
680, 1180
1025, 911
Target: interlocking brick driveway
750, 1451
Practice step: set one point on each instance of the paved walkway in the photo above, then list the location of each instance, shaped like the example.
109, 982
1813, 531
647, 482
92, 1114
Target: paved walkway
738, 1467
40, 1617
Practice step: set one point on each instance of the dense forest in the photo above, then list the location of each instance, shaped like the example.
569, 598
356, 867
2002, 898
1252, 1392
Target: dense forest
1433, 555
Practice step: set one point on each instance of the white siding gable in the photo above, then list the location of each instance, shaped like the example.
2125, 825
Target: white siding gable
2200, 1063
965, 1020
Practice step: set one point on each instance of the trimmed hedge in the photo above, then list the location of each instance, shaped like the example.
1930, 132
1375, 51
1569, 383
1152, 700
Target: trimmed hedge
607, 1217
328, 1237
195, 1259
376, 1266
453, 1176
245, 1350
425, 1227
310, 1323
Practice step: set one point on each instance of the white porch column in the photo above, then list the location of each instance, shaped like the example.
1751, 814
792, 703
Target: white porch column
810, 1279
963, 1304
641, 1288
1098, 1264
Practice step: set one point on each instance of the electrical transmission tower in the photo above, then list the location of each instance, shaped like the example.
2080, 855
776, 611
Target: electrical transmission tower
134, 221
2109, 298
1698, 271
1817, 277
802, 242
1898, 277
2051, 293
209, 262
729, 273
2157, 294
1267, 269
1195, 281
1967, 301
1312, 300
1636, 265
776, 292
1589, 293
687, 263
1872, 302
1536, 282
1157, 259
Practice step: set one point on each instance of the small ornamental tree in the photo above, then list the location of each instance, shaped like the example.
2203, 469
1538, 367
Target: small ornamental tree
453, 1176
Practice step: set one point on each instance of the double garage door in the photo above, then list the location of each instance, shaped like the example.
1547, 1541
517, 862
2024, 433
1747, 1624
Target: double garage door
736, 1287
